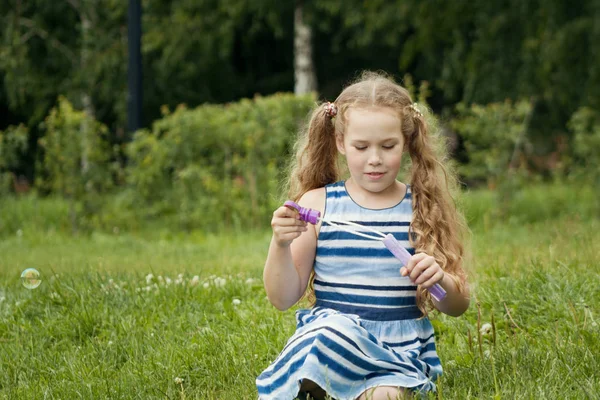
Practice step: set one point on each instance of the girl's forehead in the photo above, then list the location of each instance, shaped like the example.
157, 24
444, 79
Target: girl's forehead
371, 113
373, 121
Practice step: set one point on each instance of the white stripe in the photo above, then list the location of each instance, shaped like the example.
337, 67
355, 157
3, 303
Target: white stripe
362, 280
381, 218
358, 260
428, 354
357, 243
366, 292
369, 305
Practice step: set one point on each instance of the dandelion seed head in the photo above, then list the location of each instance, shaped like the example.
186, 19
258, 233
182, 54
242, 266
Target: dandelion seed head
220, 282
485, 329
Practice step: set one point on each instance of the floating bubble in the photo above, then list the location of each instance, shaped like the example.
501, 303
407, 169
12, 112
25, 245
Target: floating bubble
31, 278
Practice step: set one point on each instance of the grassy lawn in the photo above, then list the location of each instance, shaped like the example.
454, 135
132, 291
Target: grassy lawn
122, 315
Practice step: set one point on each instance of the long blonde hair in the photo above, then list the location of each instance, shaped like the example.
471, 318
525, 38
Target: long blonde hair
438, 227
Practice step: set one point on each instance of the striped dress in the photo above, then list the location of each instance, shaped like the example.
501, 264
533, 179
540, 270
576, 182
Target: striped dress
365, 329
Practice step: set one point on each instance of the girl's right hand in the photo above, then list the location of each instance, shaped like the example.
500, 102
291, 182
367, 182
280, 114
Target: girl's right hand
287, 226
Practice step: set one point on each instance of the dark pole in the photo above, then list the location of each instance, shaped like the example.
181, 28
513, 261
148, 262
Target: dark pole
134, 72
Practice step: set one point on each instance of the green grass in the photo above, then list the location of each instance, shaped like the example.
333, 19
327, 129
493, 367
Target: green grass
99, 326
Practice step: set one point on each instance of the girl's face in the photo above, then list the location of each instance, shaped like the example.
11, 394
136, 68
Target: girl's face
373, 145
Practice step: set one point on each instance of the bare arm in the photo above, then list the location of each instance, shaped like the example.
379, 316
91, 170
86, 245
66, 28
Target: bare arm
455, 303
291, 253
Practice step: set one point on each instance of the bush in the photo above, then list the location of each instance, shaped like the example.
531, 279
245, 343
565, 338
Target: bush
217, 165
585, 124
493, 136
13, 144
76, 162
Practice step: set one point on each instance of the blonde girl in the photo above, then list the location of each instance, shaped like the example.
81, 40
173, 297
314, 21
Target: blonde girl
366, 334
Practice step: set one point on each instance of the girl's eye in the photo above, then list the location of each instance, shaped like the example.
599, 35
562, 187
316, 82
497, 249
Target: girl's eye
360, 148
389, 147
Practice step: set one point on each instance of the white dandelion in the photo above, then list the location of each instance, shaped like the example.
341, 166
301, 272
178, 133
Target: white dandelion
485, 329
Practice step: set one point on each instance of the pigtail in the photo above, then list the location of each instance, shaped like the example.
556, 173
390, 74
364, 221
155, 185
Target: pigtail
437, 226
315, 164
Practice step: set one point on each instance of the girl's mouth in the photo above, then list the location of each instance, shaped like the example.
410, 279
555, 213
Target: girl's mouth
375, 175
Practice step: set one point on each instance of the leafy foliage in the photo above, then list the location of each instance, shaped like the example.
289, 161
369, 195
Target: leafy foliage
13, 143
585, 125
77, 158
493, 135
216, 165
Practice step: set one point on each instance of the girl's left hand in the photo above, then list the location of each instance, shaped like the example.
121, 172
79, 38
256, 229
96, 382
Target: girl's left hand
423, 270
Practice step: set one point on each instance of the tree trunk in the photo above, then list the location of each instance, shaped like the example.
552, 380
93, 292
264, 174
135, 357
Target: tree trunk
304, 69
86, 100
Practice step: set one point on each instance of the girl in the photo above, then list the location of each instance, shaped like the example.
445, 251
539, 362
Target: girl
367, 335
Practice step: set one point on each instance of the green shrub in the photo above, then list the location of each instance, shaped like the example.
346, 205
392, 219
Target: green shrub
493, 136
216, 165
13, 144
76, 162
585, 124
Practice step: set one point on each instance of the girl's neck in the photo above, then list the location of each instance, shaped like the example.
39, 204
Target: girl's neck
387, 198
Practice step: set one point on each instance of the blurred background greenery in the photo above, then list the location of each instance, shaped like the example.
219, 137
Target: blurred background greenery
514, 86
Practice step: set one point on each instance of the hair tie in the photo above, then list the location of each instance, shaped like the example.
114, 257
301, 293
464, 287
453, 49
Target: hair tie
414, 107
331, 109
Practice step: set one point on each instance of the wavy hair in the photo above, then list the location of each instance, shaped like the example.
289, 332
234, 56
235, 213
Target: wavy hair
438, 227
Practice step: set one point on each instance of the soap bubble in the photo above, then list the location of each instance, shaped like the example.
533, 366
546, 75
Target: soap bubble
31, 278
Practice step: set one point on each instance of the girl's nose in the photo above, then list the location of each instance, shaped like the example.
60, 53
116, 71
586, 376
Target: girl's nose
374, 158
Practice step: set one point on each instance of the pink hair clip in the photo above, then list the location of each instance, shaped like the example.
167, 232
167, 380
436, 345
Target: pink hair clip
416, 110
331, 109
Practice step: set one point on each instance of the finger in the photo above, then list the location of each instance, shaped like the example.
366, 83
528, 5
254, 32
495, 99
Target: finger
284, 221
284, 230
414, 260
289, 222
286, 212
426, 275
421, 266
437, 278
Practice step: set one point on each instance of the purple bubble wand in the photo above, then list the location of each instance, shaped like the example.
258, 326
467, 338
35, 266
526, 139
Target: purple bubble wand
390, 242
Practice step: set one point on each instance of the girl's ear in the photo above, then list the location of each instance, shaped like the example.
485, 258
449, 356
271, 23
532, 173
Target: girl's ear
339, 142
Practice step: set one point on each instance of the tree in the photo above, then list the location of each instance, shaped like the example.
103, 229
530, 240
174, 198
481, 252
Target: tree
304, 70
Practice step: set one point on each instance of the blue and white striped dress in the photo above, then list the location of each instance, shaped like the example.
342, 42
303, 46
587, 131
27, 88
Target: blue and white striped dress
365, 329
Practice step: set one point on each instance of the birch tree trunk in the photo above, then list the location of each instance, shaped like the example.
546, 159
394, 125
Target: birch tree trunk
304, 70
86, 100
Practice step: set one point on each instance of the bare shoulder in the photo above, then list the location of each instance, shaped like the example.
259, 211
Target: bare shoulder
314, 199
